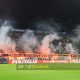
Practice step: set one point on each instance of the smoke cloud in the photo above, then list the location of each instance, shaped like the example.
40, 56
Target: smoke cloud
45, 47
76, 39
5, 40
77, 33
48, 25
28, 41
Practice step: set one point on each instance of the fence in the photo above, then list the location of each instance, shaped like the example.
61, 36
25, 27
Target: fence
45, 58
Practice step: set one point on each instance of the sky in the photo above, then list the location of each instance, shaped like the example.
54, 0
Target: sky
27, 12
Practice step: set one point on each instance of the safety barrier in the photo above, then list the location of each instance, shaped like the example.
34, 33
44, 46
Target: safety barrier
45, 58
